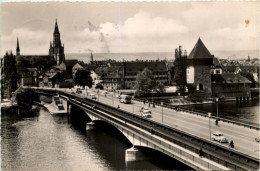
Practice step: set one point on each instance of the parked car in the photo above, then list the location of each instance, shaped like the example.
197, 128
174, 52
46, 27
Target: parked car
218, 136
146, 110
257, 139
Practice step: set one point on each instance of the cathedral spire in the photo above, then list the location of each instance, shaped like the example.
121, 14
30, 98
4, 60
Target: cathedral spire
17, 48
56, 29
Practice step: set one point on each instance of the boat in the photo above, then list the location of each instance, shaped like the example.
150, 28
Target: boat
56, 107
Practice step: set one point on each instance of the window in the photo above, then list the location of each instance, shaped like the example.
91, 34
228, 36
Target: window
200, 86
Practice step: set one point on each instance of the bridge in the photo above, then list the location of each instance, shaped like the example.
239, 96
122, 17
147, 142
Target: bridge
178, 134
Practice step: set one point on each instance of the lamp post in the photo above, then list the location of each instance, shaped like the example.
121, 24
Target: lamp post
162, 111
209, 115
152, 97
217, 107
98, 94
133, 107
113, 98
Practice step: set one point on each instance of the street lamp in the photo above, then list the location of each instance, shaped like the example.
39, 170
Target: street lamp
98, 94
209, 115
113, 98
152, 97
162, 111
217, 107
133, 107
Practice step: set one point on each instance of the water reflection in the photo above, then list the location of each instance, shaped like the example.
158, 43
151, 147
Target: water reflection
246, 111
51, 143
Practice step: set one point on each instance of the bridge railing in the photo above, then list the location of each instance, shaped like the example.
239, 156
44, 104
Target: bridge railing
205, 114
178, 137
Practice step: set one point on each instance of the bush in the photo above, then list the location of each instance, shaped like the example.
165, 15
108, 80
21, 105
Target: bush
198, 96
26, 97
66, 84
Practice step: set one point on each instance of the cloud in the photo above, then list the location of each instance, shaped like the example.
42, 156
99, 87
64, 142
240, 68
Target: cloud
221, 26
143, 33
30, 41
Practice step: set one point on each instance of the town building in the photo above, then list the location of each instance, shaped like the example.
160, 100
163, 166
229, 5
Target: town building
69, 65
50, 79
75, 68
230, 86
95, 77
132, 68
112, 78
236, 69
216, 68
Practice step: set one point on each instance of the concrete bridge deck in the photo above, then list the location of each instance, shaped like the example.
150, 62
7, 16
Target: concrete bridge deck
197, 128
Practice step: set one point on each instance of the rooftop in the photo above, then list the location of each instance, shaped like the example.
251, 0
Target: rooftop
200, 51
229, 79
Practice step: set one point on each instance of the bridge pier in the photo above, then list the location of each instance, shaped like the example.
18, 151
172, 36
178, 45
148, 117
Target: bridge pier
90, 126
133, 154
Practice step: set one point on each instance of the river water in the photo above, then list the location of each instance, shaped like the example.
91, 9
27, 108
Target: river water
49, 142
247, 112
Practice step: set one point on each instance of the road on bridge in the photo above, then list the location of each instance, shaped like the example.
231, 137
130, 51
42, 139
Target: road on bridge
244, 138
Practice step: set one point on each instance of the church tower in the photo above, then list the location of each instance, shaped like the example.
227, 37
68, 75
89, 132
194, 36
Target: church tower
17, 48
56, 48
91, 58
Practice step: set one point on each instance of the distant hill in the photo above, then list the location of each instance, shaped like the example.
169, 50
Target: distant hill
233, 55
157, 55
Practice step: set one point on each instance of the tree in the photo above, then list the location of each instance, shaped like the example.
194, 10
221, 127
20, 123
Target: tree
99, 86
83, 78
9, 75
180, 65
145, 82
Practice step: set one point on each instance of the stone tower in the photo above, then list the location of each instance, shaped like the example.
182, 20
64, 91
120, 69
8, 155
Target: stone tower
56, 47
198, 67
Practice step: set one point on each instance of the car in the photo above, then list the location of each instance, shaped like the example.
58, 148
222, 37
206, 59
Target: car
146, 115
257, 139
92, 96
79, 91
146, 110
218, 136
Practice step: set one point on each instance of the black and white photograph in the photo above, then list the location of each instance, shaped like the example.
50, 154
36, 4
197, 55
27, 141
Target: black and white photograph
120, 85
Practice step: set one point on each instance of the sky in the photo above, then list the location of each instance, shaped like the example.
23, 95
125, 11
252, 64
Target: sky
121, 27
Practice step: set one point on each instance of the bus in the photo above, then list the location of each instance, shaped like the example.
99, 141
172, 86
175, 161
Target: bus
125, 98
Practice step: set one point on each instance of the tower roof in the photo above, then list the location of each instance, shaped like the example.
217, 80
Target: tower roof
199, 51
56, 29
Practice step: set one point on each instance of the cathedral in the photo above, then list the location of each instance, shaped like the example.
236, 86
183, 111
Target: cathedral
56, 48
56, 51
